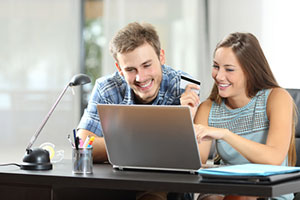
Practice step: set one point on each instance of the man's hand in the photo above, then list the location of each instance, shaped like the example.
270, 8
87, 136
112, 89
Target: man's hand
190, 98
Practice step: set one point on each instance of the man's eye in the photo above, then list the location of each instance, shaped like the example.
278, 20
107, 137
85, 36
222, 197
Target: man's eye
148, 65
216, 66
129, 70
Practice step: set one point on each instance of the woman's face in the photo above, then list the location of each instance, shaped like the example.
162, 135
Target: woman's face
228, 75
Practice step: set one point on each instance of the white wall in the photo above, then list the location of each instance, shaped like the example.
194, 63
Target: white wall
281, 39
275, 24
39, 55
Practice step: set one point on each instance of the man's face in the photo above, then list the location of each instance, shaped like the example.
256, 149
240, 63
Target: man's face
142, 70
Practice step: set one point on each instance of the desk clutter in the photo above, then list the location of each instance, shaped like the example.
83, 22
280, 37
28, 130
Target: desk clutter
82, 154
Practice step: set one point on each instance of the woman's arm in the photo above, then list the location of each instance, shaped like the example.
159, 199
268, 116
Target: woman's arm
280, 115
201, 117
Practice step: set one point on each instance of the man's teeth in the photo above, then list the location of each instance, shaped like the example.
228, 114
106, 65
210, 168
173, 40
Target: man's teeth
146, 85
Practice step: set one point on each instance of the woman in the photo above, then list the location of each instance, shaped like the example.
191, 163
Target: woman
249, 115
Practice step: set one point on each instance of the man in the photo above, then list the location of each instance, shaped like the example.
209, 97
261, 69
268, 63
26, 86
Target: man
142, 78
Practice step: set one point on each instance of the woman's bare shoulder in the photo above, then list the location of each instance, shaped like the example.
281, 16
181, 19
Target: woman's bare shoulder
279, 95
206, 104
278, 99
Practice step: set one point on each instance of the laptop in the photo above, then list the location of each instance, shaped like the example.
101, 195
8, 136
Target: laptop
150, 137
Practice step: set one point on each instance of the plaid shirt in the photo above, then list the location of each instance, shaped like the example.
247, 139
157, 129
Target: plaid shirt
113, 89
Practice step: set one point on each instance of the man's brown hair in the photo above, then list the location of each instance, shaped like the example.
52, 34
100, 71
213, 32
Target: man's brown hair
132, 36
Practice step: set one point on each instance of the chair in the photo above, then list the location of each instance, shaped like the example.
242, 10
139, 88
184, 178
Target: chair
295, 93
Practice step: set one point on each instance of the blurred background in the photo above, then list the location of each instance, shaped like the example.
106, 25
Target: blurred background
44, 43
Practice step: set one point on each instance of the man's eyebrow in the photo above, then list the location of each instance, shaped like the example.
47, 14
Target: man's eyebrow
129, 67
146, 62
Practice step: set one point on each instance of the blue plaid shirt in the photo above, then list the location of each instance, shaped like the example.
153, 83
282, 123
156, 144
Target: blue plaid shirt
113, 89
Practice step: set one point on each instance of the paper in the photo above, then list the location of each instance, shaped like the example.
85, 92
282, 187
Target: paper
249, 170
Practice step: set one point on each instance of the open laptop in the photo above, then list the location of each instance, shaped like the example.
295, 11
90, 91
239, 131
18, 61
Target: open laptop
149, 137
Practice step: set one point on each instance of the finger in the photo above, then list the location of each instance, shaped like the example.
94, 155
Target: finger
192, 86
198, 139
188, 101
189, 98
194, 98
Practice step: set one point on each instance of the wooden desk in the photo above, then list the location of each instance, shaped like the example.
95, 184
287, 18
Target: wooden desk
107, 182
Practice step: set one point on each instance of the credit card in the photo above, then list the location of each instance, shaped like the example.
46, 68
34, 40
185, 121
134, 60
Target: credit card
188, 80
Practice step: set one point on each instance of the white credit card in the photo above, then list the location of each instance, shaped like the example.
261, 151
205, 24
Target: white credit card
188, 80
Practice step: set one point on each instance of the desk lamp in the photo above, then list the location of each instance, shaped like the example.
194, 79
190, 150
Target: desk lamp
38, 158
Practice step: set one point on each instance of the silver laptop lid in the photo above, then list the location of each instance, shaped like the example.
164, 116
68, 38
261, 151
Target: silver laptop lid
149, 137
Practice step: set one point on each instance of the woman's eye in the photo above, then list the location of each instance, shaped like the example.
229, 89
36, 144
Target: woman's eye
216, 66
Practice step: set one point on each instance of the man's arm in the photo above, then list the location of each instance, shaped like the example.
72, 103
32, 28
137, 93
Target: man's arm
99, 150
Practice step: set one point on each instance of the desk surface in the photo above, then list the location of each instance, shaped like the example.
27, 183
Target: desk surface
105, 177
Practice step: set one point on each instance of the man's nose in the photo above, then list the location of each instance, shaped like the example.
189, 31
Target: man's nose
140, 77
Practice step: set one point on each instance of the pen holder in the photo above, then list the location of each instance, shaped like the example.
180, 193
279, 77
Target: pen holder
82, 160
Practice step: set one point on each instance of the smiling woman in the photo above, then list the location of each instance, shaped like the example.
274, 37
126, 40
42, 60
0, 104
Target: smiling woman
248, 114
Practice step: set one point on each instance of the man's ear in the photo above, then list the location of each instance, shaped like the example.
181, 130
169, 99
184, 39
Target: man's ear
119, 69
162, 57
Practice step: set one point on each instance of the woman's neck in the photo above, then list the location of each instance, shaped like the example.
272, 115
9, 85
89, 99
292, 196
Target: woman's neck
234, 103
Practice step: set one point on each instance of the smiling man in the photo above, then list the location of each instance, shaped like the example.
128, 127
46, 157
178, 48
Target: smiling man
141, 68
141, 78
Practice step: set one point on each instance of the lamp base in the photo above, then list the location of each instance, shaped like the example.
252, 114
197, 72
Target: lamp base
36, 159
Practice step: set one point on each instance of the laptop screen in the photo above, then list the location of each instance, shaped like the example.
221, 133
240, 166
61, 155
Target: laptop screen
149, 137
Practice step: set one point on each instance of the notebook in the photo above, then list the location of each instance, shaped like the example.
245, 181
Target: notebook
250, 174
149, 137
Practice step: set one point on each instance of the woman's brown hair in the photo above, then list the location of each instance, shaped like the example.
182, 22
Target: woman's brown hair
257, 71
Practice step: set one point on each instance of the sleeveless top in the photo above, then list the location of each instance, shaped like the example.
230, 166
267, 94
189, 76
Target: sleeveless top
250, 122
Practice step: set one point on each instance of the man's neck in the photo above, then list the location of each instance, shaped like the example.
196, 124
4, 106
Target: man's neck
136, 100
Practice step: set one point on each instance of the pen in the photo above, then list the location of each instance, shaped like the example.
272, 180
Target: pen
86, 142
91, 142
80, 143
75, 139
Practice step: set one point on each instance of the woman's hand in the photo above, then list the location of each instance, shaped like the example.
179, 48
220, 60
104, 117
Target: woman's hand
204, 133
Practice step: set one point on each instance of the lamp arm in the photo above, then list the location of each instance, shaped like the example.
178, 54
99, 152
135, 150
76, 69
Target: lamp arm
38, 131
